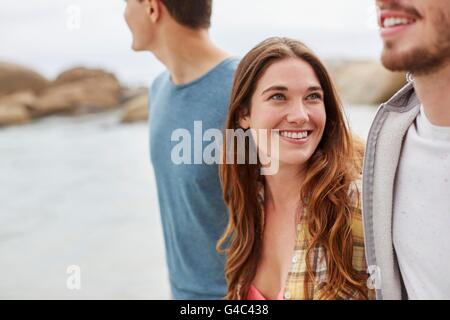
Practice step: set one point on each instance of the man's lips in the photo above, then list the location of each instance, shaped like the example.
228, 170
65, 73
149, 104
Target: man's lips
393, 21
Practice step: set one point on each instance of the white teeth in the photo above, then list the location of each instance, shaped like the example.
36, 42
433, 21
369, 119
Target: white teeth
391, 22
294, 135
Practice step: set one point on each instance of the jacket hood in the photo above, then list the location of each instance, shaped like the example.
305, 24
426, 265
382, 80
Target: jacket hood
404, 99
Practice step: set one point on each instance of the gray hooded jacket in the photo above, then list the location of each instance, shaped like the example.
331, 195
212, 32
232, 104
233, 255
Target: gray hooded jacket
383, 151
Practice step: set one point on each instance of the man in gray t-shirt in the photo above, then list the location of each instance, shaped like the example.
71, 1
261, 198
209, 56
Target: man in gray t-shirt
189, 98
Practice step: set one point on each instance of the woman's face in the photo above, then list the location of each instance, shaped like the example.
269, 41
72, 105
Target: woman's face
288, 98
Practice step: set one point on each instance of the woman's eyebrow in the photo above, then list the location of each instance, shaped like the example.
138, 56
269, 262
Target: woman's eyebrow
315, 88
275, 88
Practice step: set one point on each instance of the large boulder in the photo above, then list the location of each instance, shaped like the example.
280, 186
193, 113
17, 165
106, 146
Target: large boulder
13, 114
14, 108
81, 73
136, 109
132, 92
14, 78
365, 82
24, 98
79, 90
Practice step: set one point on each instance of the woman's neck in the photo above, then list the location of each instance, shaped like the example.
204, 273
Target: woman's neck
283, 189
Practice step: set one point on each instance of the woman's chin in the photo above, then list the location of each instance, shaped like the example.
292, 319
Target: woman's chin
291, 161
294, 158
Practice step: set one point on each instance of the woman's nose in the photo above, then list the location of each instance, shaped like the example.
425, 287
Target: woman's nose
297, 113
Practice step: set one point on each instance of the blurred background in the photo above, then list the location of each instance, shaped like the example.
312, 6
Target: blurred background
76, 185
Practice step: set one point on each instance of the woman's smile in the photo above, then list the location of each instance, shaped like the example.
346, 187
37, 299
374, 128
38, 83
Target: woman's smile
298, 137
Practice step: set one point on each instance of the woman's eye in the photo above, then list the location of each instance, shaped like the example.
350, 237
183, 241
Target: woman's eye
277, 96
314, 96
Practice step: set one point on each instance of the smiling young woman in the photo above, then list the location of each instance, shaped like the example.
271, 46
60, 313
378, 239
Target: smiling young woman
296, 234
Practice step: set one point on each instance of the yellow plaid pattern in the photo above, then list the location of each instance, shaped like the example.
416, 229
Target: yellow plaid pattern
297, 278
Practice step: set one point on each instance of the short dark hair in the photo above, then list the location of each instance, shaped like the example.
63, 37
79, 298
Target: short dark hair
190, 13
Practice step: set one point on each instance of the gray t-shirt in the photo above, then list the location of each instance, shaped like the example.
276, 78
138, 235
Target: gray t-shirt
193, 213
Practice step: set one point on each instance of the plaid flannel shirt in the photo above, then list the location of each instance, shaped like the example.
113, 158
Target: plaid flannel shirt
297, 277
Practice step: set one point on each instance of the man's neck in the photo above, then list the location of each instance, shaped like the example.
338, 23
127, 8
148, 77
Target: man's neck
433, 91
188, 54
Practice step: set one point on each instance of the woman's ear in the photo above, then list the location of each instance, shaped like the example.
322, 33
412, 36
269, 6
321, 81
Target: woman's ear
244, 119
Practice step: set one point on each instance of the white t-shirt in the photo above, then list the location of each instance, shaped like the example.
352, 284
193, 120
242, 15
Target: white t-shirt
421, 222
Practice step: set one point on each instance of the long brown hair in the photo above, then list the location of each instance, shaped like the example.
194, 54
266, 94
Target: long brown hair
329, 172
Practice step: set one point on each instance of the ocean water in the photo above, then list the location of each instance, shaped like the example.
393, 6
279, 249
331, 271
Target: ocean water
81, 191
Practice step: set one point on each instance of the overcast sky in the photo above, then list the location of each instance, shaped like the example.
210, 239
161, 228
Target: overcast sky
40, 33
